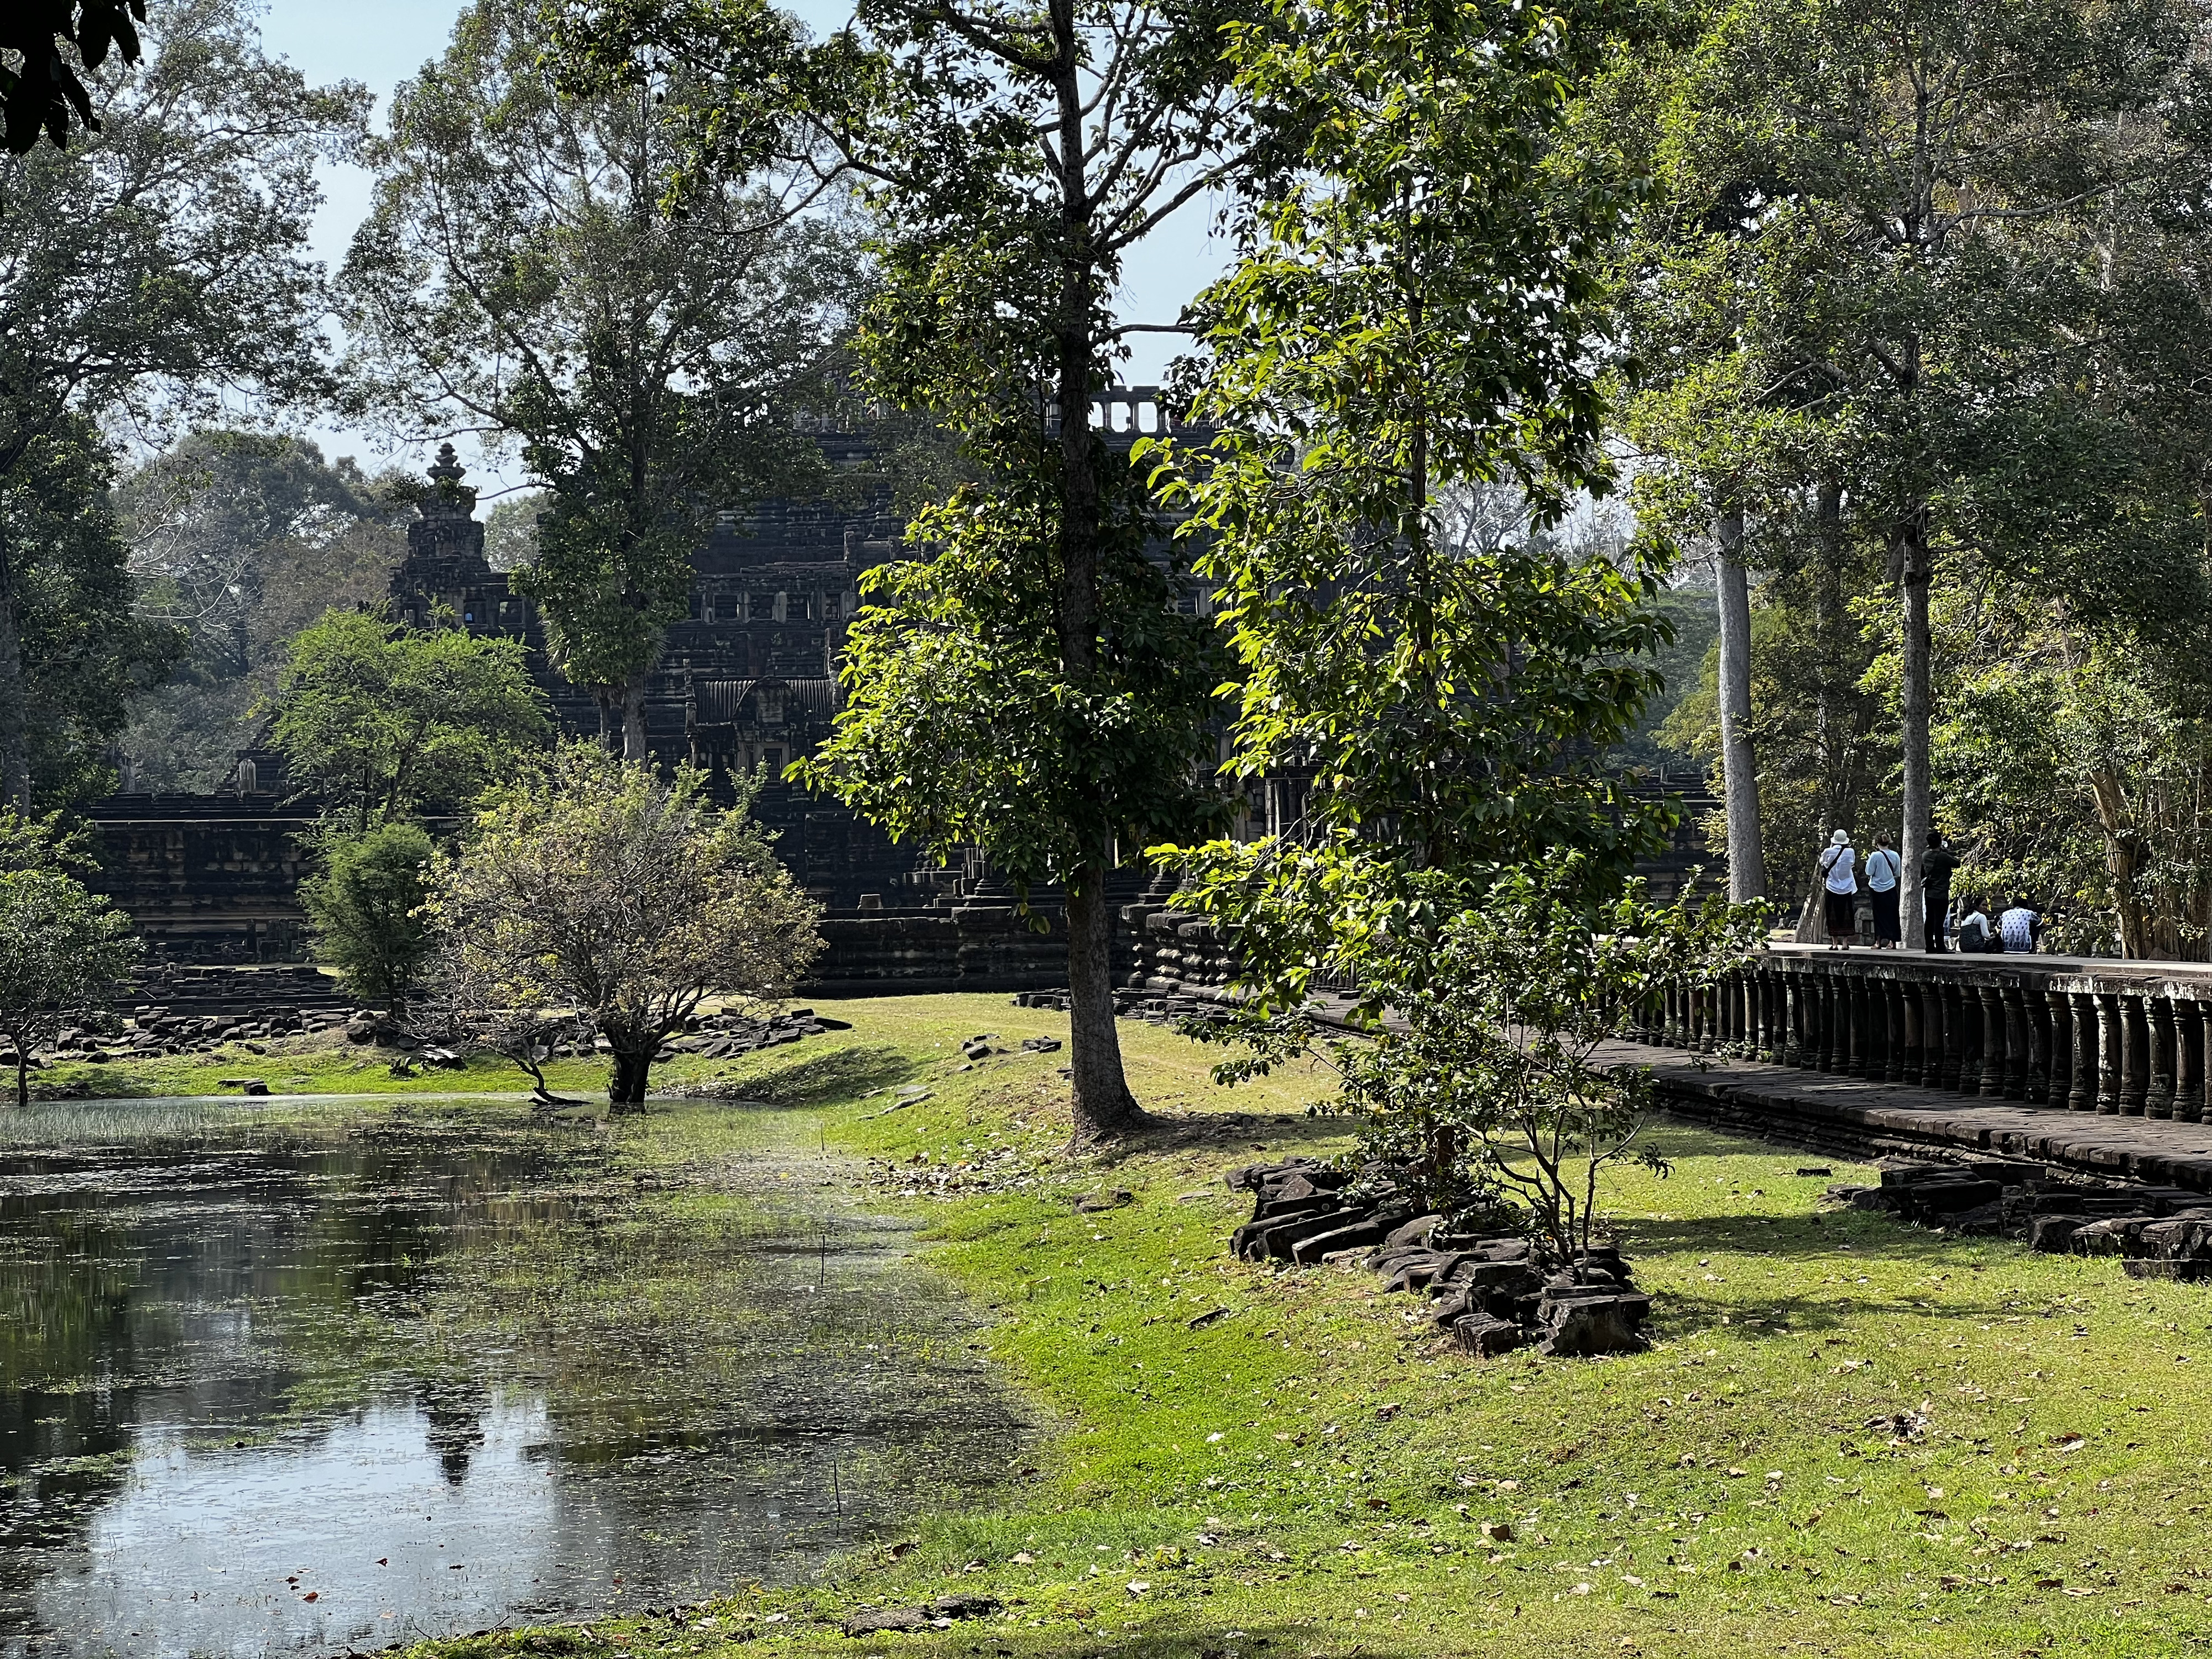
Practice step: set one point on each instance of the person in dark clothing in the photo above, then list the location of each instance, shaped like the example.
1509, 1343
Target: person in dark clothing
1936, 865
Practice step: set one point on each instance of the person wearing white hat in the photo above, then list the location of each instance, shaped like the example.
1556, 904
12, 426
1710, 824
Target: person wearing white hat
1840, 884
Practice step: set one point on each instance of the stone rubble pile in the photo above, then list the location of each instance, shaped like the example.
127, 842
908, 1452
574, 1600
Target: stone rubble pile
1155, 1007
2157, 1232
726, 1036
154, 1032
1491, 1294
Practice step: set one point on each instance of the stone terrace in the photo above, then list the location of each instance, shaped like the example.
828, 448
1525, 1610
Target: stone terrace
2098, 1066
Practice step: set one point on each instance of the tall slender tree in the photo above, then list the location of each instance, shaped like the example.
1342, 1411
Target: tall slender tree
1026, 685
1871, 285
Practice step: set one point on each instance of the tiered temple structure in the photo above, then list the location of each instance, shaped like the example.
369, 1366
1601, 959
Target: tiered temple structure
747, 680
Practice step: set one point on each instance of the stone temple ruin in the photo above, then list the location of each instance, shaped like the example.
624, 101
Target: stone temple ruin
747, 679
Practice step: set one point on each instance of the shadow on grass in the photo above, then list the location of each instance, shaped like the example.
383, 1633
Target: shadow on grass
1238, 1137
824, 1078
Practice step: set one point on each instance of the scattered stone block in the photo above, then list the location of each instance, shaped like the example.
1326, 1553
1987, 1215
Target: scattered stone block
1487, 1338
1415, 1231
879, 1621
1093, 1203
1597, 1324
2054, 1234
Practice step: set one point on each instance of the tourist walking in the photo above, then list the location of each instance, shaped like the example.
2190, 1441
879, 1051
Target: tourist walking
2020, 927
1936, 865
1839, 886
1883, 867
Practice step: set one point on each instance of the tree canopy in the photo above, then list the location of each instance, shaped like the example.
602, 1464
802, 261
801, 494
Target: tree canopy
598, 886
520, 277
1028, 683
381, 719
1410, 315
159, 266
240, 539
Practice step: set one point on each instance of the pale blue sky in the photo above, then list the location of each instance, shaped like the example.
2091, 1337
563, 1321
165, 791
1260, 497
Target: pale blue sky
381, 43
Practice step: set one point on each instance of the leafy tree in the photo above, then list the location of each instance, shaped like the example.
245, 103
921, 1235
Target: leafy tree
1412, 315
1489, 1088
45, 843
518, 275
241, 539
381, 718
63, 952
1908, 269
367, 907
1026, 687
596, 886
157, 266
84, 652
41, 92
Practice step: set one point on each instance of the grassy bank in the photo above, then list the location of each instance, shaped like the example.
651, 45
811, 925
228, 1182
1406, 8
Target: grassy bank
1850, 1436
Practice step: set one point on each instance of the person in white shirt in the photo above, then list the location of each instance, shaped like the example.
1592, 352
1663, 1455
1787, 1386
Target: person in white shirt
1882, 866
2018, 925
1840, 884
1973, 929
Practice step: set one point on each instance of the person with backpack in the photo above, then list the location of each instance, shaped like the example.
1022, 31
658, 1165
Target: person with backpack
1883, 867
1974, 930
1839, 886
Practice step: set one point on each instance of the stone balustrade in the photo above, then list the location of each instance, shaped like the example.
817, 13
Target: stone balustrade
2127, 1038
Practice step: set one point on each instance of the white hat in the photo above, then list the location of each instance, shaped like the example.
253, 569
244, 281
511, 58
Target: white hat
1841, 838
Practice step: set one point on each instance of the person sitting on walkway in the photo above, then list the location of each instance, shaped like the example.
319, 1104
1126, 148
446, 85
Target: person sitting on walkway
1883, 867
1936, 865
1839, 886
2020, 927
1974, 931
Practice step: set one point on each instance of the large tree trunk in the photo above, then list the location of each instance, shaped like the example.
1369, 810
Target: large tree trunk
15, 742
1919, 804
1104, 1105
633, 720
1746, 847
1837, 729
626, 1089
2123, 859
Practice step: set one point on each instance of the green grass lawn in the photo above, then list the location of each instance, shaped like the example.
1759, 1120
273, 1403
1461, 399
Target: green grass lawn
1310, 1471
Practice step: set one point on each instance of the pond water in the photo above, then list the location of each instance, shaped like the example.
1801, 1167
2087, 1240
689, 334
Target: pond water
306, 1385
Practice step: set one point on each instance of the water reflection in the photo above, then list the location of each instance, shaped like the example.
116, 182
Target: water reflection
283, 1390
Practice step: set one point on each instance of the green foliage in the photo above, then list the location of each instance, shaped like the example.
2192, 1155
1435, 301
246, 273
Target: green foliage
962, 725
597, 887
2077, 771
381, 718
1921, 292
367, 905
241, 539
46, 843
64, 951
1487, 1084
518, 273
1411, 316
85, 652
154, 271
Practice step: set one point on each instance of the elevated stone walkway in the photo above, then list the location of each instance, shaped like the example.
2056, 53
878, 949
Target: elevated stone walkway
1846, 1116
